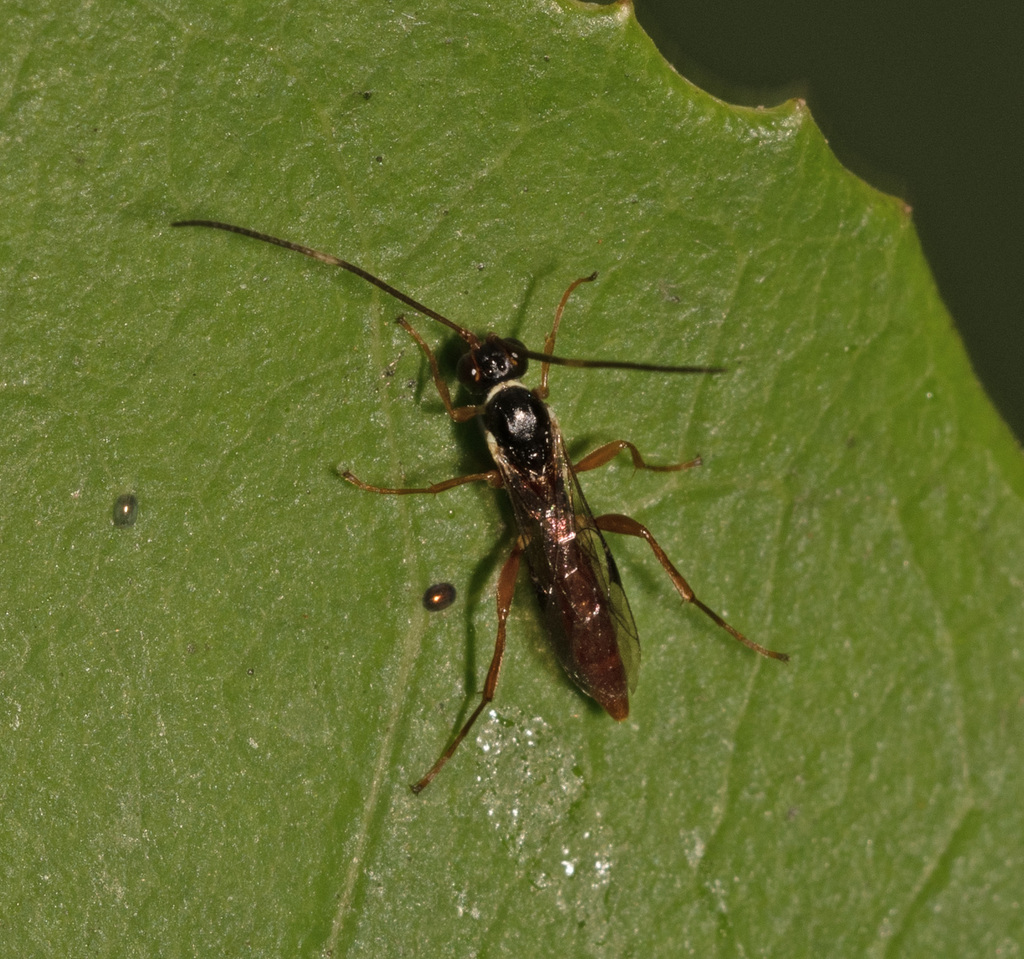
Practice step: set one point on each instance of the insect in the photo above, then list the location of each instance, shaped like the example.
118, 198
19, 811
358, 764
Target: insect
573, 572
126, 509
439, 596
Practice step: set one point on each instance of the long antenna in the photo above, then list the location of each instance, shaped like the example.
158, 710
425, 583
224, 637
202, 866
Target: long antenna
468, 336
331, 260
619, 364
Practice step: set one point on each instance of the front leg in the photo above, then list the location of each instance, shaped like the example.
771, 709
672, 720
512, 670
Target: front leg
460, 414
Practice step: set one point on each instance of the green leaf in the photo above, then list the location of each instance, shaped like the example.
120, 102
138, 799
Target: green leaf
210, 718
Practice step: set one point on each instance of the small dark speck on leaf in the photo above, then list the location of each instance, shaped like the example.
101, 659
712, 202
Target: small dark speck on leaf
439, 596
126, 510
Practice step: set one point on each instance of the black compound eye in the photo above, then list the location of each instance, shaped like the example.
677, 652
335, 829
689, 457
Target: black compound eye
516, 351
468, 370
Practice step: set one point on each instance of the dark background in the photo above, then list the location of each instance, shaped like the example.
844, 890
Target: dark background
924, 100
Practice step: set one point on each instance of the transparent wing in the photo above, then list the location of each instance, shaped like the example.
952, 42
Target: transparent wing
592, 543
573, 569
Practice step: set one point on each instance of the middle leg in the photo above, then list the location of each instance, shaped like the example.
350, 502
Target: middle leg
491, 476
608, 452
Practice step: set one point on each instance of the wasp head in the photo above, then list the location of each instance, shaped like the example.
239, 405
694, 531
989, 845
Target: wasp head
495, 360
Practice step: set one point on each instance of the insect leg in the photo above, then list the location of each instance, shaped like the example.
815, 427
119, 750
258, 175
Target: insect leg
491, 476
605, 454
617, 523
549, 341
458, 413
506, 588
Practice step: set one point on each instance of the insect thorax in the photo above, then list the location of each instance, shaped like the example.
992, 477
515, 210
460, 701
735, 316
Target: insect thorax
520, 424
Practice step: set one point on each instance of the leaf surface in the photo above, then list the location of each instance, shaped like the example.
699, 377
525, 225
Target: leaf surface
210, 718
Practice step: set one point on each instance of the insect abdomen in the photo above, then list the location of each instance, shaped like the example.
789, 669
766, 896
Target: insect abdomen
583, 631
